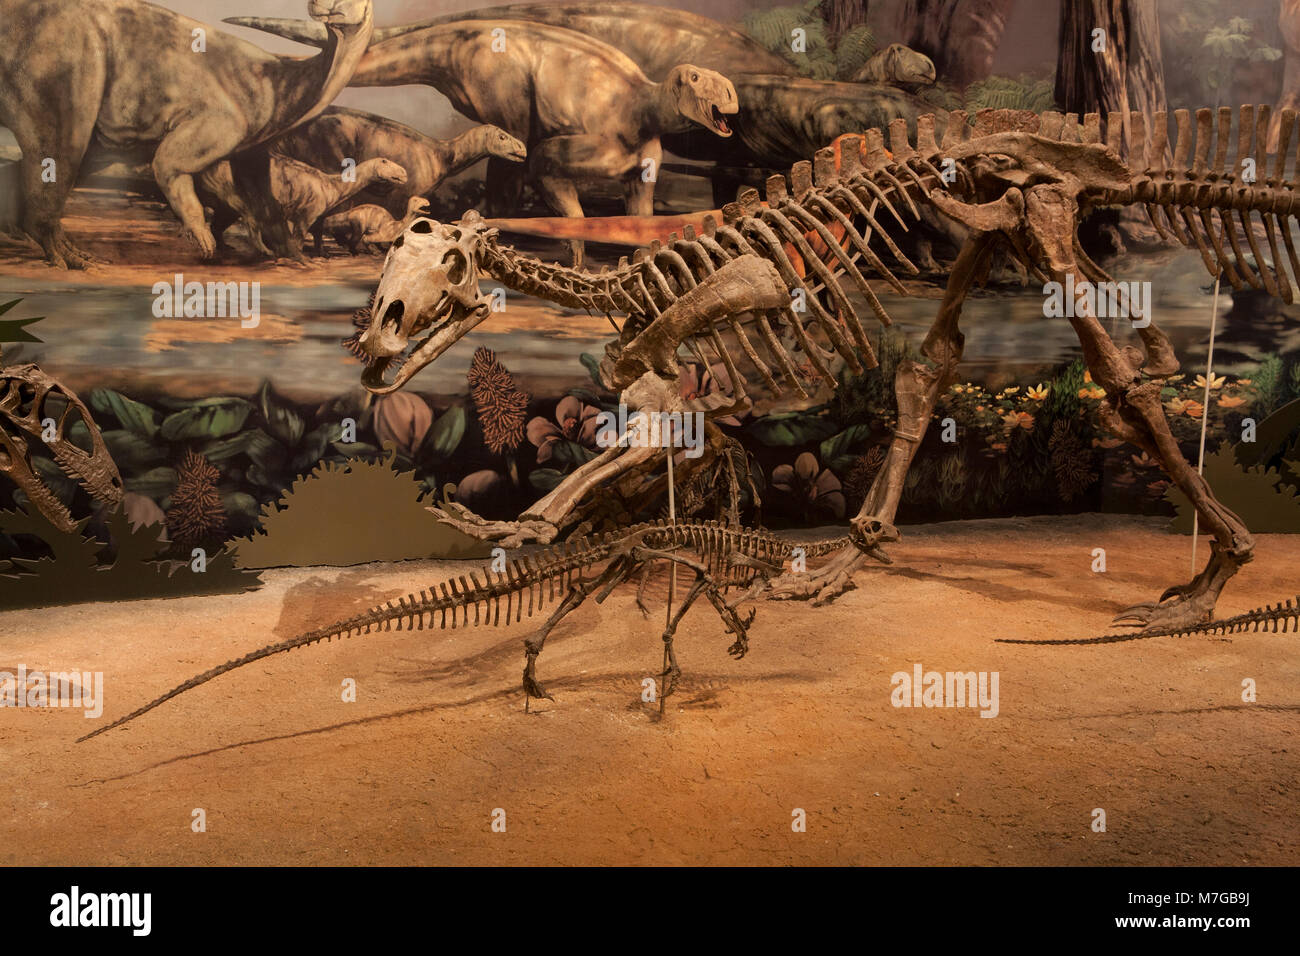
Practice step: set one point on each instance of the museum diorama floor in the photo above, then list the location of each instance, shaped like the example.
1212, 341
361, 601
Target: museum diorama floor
437, 747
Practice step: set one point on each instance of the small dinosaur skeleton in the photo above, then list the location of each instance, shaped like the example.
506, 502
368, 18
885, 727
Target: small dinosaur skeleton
720, 559
1270, 617
1018, 181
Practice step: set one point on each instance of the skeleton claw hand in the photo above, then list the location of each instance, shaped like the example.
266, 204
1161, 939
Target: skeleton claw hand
1176, 610
511, 534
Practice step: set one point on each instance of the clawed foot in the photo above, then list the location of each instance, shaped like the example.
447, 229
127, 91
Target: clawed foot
510, 534
62, 254
1178, 609
1188, 605
820, 587
532, 686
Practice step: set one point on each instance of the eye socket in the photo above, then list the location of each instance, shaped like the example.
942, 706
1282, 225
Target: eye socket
423, 227
695, 77
397, 243
456, 265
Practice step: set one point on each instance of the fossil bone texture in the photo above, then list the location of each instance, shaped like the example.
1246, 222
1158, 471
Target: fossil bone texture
714, 560
30, 401
1017, 180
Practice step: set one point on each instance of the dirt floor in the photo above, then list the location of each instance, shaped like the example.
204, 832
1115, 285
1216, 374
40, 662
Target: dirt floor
1154, 732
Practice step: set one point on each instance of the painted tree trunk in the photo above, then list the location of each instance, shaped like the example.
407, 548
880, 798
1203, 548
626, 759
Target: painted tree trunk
960, 36
841, 16
1120, 69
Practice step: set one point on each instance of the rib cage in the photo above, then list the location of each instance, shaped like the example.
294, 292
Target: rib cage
827, 227
1271, 617
540, 577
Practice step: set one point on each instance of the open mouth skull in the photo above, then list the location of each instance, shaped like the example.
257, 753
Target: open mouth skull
428, 298
38, 414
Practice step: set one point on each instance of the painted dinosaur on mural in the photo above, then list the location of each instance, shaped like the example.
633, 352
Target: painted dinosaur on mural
66, 82
370, 228
586, 112
1015, 180
304, 194
341, 134
782, 117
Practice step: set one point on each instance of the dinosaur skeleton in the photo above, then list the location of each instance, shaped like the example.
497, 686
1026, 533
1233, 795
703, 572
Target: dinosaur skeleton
1017, 180
720, 559
28, 399
1270, 618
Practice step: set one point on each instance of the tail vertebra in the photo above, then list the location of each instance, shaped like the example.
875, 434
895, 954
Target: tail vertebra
1282, 617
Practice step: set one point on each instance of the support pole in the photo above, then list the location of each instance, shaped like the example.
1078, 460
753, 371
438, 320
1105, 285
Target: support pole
1205, 410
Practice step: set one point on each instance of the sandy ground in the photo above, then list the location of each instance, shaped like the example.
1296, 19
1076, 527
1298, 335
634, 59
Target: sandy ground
1154, 732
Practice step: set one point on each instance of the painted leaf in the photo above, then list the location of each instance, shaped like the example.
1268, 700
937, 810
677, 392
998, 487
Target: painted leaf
130, 414
211, 418
445, 436
282, 421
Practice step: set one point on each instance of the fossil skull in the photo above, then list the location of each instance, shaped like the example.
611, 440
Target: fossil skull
36, 410
429, 289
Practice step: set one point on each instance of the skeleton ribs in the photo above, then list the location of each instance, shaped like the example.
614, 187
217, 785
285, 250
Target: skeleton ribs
729, 295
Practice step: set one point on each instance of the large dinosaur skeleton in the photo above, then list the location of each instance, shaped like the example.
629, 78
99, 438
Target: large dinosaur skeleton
1019, 180
718, 560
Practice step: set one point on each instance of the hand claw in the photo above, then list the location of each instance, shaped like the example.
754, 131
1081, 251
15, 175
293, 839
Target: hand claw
1137, 614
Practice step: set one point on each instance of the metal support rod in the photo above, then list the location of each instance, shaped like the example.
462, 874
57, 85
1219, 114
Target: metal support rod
1205, 410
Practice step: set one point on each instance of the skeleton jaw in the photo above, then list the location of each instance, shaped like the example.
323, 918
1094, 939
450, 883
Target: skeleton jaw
413, 356
429, 289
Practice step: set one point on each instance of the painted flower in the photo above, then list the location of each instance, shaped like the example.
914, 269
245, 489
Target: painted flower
479, 487
1092, 391
1216, 381
1038, 392
1014, 420
1176, 406
574, 421
1193, 409
816, 489
403, 419
1231, 401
